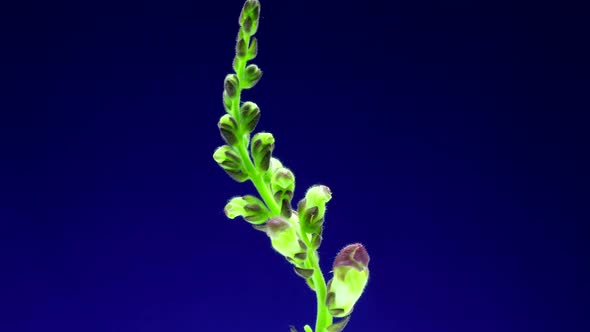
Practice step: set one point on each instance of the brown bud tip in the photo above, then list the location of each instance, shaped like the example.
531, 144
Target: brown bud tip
353, 255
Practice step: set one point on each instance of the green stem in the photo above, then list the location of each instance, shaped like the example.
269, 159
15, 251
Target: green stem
323, 318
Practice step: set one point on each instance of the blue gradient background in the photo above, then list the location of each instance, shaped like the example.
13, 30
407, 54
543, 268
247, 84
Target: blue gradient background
451, 134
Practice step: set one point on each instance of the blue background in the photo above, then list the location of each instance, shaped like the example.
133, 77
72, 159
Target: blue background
451, 134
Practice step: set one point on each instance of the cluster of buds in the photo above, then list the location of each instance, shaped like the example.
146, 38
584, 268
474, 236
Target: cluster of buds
295, 235
312, 208
247, 45
351, 273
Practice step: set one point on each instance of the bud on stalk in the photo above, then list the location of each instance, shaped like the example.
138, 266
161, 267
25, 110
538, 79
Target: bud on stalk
250, 114
249, 207
351, 273
283, 185
261, 149
228, 128
312, 208
284, 239
231, 163
252, 76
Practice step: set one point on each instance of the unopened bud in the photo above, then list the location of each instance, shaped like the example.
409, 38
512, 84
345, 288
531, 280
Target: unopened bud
241, 48
253, 49
351, 273
250, 114
283, 182
227, 102
231, 163
284, 238
252, 76
312, 208
274, 165
228, 128
282, 186
249, 207
249, 16
231, 85
261, 148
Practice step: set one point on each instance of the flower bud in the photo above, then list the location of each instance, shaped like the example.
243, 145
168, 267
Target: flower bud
261, 149
253, 49
282, 186
284, 239
249, 207
227, 102
228, 128
241, 48
250, 114
274, 165
231, 85
312, 208
351, 273
252, 76
231, 163
249, 16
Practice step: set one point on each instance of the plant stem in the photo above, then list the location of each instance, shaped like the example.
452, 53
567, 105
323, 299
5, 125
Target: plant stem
323, 318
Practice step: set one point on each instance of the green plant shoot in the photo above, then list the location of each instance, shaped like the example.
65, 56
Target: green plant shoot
295, 234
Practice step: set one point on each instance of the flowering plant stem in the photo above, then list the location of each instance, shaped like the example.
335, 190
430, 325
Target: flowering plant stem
323, 318
295, 234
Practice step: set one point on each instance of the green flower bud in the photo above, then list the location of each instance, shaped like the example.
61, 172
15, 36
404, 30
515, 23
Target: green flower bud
241, 48
249, 16
250, 114
252, 76
274, 165
253, 49
249, 207
231, 163
228, 128
227, 102
312, 208
231, 85
284, 239
351, 273
261, 149
282, 187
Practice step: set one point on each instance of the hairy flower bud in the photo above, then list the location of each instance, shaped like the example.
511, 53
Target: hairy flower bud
274, 165
284, 239
261, 149
241, 48
249, 16
252, 49
249, 207
250, 114
231, 163
227, 102
228, 128
282, 186
312, 208
351, 273
252, 76
231, 85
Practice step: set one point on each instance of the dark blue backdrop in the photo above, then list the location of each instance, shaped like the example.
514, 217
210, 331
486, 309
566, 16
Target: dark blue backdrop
451, 134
